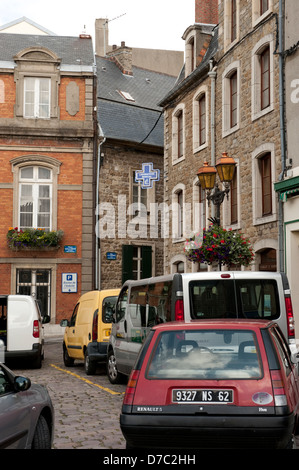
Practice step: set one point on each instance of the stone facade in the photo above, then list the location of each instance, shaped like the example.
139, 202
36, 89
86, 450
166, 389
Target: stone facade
254, 133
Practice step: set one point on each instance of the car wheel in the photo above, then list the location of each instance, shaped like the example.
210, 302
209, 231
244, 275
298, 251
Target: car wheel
42, 435
89, 366
68, 361
113, 375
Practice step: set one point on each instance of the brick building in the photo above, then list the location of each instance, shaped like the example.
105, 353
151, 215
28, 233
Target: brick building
47, 157
227, 100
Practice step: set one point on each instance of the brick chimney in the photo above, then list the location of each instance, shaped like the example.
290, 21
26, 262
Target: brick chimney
122, 56
206, 11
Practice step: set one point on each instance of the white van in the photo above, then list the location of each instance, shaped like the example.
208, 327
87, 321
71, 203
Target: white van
220, 294
21, 328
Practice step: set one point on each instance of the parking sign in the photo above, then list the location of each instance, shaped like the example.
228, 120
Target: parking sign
69, 282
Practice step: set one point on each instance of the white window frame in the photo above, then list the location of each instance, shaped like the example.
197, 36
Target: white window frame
179, 109
227, 204
256, 110
200, 93
228, 43
258, 218
199, 212
256, 15
35, 183
37, 102
178, 213
226, 104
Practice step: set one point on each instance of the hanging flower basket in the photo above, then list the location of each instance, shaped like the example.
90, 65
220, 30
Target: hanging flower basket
33, 239
217, 245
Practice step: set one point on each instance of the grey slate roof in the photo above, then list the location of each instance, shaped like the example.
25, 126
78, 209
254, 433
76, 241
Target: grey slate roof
131, 121
71, 50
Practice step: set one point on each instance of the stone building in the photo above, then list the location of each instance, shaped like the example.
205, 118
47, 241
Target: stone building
47, 156
130, 124
227, 100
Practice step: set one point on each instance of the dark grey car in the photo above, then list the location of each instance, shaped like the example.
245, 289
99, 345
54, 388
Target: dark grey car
27, 414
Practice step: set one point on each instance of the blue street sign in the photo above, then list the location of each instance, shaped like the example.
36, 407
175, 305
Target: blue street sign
147, 176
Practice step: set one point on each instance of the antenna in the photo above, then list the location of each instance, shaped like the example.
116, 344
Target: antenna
106, 22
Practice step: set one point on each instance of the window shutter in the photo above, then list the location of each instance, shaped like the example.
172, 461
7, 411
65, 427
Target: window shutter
127, 262
146, 261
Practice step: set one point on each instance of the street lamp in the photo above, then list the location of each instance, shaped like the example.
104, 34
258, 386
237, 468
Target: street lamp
225, 167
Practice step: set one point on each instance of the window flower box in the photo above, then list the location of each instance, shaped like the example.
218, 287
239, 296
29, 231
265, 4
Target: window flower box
33, 239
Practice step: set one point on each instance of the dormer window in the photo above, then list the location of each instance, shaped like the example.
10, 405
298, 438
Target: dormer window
37, 94
37, 78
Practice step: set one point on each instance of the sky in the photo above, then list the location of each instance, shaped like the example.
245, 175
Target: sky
155, 24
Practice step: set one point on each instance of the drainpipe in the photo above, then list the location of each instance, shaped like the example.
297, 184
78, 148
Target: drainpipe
282, 130
97, 244
213, 74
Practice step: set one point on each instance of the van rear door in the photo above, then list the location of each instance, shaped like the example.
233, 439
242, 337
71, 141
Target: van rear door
21, 313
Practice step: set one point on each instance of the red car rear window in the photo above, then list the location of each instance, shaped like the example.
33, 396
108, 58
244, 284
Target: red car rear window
205, 354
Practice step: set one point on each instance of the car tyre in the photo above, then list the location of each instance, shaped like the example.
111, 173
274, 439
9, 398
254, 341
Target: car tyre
113, 375
89, 366
68, 361
42, 435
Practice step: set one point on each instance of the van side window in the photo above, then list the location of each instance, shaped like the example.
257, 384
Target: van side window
74, 316
258, 298
121, 304
137, 307
159, 300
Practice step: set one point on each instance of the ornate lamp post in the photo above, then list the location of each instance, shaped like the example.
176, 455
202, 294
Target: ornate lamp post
225, 167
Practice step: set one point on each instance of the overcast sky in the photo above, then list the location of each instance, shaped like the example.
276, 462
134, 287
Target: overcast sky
156, 24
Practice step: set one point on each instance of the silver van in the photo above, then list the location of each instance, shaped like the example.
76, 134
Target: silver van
194, 296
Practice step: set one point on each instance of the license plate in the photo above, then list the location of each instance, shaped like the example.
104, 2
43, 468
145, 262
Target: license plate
202, 396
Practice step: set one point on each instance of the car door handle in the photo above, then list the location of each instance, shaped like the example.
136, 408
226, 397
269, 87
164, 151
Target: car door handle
125, 325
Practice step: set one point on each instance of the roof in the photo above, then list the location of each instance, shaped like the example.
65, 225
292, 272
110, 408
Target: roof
31, 25
183, 82
128, 107
73, 51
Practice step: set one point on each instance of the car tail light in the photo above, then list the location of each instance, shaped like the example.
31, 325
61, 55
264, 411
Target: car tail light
290, 317
95, 327
131, 387
280, 398
179, 310
35, 329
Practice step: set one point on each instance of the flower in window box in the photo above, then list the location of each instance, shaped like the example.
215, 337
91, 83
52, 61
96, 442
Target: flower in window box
31, 238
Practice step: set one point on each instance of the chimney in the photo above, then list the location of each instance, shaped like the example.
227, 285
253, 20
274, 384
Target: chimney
122, 56
206, 11
101, 37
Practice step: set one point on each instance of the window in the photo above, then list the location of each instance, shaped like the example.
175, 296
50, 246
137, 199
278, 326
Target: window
231, 98
262, 77
199, 207
180, 214
264, 6
139, 196
265, 170
37, 77
233, 20
35, 197
231, 23
234, 200
265, 78
200, 119
178, 135
205, 354
178, 209
136, 262
263, 177
36, 282
37, 98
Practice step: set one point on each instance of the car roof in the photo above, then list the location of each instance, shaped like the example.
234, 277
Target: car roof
229, 323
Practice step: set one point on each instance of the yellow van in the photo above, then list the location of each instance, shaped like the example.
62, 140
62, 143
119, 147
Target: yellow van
87, 333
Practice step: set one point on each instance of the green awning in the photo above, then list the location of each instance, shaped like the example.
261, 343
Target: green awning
287, 188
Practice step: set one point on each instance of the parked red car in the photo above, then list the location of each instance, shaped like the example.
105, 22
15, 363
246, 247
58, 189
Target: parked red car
212, 384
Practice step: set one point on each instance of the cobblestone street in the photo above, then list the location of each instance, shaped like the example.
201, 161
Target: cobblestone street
87, 408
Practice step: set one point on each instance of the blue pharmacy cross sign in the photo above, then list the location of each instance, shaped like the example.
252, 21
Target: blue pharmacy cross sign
147, 176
